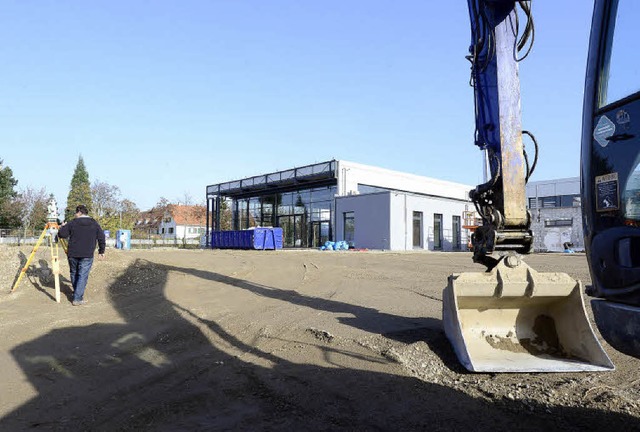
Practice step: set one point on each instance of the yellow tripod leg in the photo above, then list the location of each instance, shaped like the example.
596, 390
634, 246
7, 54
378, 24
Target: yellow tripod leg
33, 253
55, 266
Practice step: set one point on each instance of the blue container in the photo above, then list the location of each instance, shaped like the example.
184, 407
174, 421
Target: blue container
247, 238
262, 239
277, 232
258, 238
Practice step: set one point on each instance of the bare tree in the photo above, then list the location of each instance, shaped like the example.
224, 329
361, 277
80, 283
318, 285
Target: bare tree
110, 210
31, 205
128, 214
106, 200
186, 199
161, 204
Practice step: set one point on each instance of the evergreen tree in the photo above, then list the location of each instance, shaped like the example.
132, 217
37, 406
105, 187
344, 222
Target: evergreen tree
8, 217
80, 190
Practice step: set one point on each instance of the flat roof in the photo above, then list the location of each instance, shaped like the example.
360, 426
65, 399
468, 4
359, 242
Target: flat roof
308, 175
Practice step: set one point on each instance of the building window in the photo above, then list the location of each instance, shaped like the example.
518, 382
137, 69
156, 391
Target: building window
162, 230
170, 230
456, 233
555, 201
437, 231
349, 227
558, 222
167, 220
570, 200
417, 229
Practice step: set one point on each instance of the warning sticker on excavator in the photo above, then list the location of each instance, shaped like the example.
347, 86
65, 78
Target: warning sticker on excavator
604, 129
607, 192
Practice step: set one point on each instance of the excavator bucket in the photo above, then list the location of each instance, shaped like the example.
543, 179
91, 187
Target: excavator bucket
514, 319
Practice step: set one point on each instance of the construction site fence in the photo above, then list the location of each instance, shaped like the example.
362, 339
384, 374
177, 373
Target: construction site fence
111, 243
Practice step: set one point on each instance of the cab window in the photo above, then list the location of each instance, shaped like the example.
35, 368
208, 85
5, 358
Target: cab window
631, 195
620, 73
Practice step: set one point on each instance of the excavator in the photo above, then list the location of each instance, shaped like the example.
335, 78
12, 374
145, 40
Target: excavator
511, 318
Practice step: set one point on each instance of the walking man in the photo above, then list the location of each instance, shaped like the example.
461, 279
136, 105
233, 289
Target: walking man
83, 232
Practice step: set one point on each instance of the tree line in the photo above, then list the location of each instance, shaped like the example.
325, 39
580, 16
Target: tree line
27, 208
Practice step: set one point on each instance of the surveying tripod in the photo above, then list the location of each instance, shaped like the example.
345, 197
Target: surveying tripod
49, 232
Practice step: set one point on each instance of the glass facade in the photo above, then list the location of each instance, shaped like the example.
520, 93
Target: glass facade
300, 200
305, 215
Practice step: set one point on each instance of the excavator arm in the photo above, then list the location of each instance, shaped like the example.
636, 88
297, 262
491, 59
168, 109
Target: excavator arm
510, 318
497, 41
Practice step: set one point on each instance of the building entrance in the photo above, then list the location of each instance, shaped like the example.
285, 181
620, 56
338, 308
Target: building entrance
294, 230
318, 233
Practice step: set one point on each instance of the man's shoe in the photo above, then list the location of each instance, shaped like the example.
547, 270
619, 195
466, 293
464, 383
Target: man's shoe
78, 302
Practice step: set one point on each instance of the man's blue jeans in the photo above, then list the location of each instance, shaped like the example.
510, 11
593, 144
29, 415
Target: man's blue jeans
79, 270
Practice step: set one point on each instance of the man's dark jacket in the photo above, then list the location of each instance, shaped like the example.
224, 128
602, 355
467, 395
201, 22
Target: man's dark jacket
83, 232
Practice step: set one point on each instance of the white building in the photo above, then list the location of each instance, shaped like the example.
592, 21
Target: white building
367, 206
182, 222
384, 209
555, 207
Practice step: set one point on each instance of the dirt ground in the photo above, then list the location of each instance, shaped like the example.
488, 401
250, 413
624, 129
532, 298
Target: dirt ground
293, 340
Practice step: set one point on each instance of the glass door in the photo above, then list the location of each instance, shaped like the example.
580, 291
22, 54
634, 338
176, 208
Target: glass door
299, 231
318, 233
286, 223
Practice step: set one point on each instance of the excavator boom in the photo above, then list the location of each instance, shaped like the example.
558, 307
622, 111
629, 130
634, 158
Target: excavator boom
510, 318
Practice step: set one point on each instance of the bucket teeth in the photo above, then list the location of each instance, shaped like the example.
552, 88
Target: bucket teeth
514, 319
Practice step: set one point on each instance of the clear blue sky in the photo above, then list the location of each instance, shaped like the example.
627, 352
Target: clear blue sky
162, 98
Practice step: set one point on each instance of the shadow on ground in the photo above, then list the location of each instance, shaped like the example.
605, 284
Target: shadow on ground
41, 277
159, 371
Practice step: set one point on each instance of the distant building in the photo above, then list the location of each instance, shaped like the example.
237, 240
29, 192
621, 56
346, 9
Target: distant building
367, 206
182, 222
148, 223
555, 207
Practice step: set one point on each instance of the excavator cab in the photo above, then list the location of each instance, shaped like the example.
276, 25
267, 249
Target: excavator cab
610, 177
